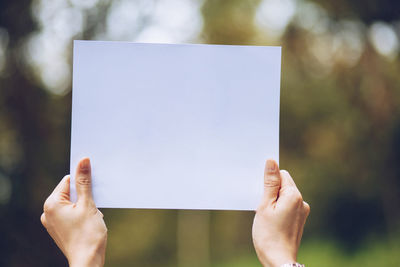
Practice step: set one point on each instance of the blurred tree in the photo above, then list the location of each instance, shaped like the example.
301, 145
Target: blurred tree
337, 130
366, 10
32, 120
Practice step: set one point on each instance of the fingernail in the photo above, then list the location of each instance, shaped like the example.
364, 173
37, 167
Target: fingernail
271, 166
84, 166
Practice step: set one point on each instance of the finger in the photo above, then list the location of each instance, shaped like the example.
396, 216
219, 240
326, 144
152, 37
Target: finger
288, 190
83, 180
61, 192
272, 181
287, 179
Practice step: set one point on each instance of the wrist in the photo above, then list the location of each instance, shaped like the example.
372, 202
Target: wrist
92, 259
277, 260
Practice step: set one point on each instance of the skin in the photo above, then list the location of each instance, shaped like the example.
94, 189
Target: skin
79, 230
279, 221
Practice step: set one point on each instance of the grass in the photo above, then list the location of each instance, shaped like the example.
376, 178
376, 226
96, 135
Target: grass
325, 253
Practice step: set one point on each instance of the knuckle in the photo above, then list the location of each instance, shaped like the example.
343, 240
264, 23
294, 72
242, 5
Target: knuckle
298, 199
83, 180
272, 182
43, 220
295, 195
102, 232
49, 206
307, 208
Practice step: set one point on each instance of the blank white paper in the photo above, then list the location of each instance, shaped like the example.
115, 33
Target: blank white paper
175, 126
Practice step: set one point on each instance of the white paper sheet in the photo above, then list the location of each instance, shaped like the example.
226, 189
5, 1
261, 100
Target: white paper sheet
175, 126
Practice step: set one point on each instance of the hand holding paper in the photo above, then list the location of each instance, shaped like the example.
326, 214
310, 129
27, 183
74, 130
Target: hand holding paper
280, 218
77, 228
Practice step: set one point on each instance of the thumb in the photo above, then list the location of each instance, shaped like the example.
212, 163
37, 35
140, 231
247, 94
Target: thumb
272, 181
83, 180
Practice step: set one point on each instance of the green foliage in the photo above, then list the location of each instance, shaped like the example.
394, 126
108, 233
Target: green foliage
375, 252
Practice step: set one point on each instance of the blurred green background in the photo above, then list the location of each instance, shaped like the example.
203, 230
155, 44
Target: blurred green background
340, 125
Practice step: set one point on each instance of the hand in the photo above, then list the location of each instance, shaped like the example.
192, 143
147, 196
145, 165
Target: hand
279, 221
77, 228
